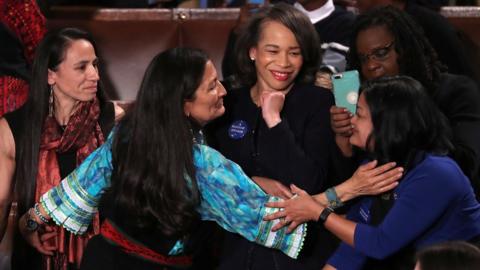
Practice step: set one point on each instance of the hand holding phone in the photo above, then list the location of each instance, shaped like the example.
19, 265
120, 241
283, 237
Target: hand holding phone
345, 89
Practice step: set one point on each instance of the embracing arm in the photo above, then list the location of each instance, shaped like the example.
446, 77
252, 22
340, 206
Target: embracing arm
367, 180
304, 208
7, 169
411, 215
237, 204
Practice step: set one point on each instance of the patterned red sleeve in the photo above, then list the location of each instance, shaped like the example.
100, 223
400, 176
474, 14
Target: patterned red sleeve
25, 20
13, 93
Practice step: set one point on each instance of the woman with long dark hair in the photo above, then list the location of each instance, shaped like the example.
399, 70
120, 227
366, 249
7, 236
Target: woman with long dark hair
161, 180
65, 119
434, 202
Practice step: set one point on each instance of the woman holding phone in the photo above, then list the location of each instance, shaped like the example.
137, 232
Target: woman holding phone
387, 42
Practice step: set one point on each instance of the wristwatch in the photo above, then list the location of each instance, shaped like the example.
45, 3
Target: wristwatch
30, 223
324, 215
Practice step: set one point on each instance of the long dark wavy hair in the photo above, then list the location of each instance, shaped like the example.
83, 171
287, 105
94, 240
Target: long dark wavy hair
245, 73
405, 121
48, 56
154, 176
416, 56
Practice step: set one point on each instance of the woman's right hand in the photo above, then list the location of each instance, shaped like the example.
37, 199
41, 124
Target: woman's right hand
369, 179
340, 119
38, 239
272, 104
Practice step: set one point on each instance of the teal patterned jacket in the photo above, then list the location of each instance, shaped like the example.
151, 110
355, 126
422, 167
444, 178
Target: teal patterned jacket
228, 197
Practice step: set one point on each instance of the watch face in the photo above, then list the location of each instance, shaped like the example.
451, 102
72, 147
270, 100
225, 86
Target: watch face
32, 225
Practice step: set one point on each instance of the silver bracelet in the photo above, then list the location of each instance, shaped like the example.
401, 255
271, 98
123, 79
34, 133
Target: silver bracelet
37, 212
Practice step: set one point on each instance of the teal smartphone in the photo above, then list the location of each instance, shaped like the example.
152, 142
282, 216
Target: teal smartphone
345, 89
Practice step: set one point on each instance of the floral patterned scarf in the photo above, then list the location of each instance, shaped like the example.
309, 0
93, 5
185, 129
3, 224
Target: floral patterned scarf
83, 135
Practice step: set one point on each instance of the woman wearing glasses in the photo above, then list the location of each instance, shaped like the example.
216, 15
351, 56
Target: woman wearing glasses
386, 42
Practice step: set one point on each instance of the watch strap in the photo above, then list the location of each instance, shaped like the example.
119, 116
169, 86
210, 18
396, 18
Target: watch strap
324, 215
30, 223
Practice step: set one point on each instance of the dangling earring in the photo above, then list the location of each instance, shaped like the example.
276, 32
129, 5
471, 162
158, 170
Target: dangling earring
50, 102
252, 58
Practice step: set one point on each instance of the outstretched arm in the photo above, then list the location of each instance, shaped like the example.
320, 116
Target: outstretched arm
304, 208
227, 197
409, 217
237, 204
367, 180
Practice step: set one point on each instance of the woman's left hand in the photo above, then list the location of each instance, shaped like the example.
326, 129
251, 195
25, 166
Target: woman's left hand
39, 241
298, 210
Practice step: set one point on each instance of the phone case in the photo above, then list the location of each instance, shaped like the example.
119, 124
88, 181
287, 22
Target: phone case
345, 89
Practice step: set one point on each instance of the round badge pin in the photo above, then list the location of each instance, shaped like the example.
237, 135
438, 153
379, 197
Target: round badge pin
238, 129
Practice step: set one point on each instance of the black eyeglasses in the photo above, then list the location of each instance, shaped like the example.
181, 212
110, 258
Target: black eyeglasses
379, 54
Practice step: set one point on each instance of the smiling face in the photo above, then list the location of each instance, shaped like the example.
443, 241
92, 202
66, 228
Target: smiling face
362, 122
75, 78
207, 103
278, 57
376, 52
